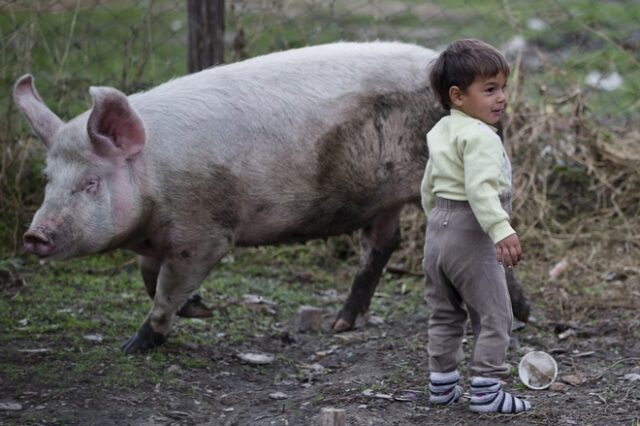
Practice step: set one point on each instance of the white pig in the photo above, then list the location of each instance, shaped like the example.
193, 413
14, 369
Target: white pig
284, 147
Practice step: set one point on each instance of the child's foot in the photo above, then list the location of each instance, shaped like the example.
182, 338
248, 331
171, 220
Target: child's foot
444, 388
487, 397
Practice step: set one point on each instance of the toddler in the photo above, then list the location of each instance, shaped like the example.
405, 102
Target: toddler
466, 194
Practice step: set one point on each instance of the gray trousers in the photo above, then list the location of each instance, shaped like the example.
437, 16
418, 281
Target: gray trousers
464, 279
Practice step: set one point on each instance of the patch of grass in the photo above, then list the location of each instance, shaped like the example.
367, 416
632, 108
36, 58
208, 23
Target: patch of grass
103, 295
518, 386
62, 302
417, 344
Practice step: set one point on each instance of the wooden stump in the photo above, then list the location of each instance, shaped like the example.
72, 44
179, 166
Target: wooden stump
333, 417
308, 318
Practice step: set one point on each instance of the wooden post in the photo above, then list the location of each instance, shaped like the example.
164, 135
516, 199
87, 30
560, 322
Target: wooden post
333, 417
206, 33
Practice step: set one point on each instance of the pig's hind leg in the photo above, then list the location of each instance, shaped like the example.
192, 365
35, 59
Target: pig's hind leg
378, 240
150, 268
519, 304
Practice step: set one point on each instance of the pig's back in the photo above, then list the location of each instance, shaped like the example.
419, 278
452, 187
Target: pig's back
282, 93
312, 141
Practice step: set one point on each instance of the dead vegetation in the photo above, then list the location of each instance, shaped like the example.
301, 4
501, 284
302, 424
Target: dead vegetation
576, 187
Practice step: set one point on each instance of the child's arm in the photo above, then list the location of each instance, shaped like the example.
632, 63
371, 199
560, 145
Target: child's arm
426, 189
484, 160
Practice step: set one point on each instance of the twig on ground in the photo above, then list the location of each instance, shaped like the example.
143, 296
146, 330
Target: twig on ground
620, 361
600, 397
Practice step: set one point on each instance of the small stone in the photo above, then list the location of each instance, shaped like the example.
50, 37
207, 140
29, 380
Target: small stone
10, 406
176, 414
231, 399
574, 379
566, 334
558, 387
314, 368
632, 377
97, 338
536, 24
375, 320
323, 354
173, 368
406, 396
372, 394
278, 396
256, 358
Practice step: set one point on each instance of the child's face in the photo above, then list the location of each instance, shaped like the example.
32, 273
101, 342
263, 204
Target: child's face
484, 99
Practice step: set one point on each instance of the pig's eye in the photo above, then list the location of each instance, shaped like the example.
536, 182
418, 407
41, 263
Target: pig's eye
92, 185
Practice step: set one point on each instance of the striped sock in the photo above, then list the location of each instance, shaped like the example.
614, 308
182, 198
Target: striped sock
487, 397
444, 388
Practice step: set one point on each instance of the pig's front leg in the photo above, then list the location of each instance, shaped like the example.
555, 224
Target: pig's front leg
180, 274
150, 269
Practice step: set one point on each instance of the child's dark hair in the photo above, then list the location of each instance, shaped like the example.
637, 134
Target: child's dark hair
459, 65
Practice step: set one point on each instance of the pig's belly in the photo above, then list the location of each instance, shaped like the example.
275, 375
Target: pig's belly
296, 223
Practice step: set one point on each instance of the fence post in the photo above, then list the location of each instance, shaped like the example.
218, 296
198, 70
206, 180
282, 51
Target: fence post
206, 33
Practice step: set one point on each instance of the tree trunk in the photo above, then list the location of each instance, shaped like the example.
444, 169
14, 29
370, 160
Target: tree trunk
206, 33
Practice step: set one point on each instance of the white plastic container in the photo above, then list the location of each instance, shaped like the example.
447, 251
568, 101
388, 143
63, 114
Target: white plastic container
537, 370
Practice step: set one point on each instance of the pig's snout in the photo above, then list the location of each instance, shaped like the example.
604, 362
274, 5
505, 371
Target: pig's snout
36, 241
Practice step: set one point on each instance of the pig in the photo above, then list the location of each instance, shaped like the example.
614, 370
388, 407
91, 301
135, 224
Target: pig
282, 148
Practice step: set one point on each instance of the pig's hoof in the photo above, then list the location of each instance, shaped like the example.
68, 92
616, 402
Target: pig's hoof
194, 308
341, 325
144, 339
345, 321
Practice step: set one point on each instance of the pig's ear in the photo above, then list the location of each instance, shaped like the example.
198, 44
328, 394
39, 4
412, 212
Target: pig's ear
115, 128
42, 120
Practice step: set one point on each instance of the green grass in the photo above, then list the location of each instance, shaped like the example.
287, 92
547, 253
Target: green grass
64, 301
135, 48
61, 302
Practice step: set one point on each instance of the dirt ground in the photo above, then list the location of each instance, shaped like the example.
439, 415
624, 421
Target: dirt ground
376, 373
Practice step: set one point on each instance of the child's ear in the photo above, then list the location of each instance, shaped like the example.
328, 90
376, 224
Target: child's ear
456, 96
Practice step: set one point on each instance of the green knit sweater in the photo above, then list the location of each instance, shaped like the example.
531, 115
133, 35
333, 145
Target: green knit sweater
467, 162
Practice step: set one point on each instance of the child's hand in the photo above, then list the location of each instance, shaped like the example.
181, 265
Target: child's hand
508, 251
